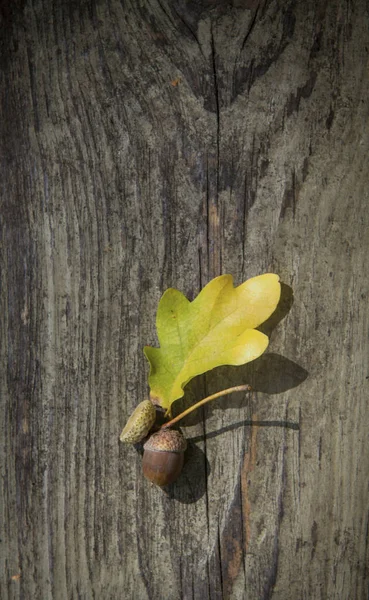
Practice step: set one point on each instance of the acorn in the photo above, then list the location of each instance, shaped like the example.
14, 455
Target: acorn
164, 456
139, 423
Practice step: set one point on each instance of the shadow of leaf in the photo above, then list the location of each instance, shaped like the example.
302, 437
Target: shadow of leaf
269, 374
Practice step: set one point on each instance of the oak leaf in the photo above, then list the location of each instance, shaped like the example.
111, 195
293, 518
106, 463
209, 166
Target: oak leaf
216, 328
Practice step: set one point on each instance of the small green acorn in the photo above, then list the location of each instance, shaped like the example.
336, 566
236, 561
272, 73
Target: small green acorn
139, 423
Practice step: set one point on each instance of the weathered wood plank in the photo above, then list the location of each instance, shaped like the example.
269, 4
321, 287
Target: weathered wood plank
153, 144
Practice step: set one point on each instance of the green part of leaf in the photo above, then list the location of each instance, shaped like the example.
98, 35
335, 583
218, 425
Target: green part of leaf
217, 328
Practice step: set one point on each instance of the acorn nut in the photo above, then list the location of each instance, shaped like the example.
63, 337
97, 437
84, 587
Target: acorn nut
164, 456
139, 423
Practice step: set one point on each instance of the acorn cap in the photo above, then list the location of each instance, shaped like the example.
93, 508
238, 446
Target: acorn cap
139, 423
166, 440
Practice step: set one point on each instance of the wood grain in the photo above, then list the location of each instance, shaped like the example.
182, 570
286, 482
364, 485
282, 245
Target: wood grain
152, 144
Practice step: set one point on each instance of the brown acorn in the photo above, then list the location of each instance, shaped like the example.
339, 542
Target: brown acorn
164, 456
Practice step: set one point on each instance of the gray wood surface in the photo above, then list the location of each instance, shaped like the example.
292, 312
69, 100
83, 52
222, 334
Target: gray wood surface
158, 143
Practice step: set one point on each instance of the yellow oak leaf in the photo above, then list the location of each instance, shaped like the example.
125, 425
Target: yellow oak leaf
216, 328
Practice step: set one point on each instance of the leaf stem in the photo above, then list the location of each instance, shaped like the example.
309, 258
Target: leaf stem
237, 388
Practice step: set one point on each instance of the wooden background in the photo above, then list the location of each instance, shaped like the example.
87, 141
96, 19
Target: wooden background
154, 143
